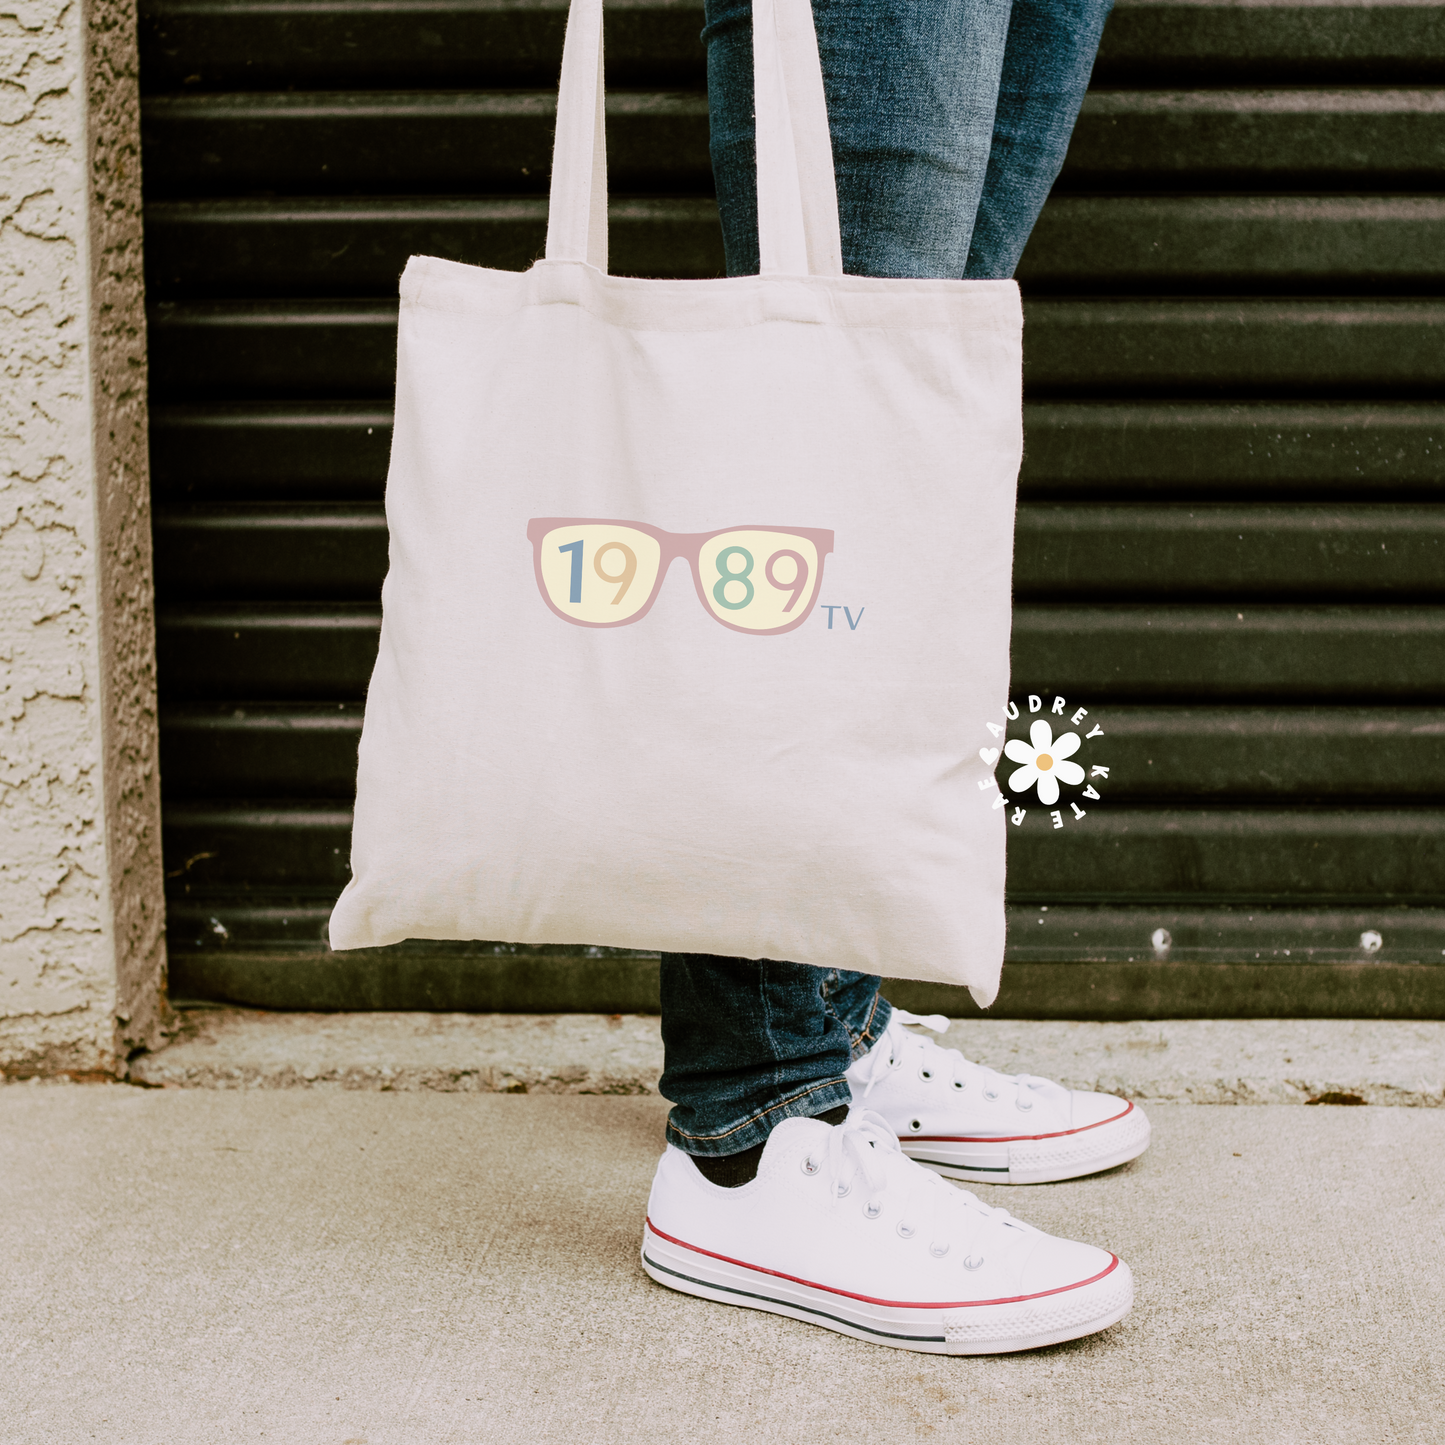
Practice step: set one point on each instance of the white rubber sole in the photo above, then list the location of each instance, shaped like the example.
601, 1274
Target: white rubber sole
1034, 1159
993, 1327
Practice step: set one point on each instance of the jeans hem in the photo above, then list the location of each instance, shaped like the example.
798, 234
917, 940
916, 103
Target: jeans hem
873, 1030
880, 1011
755, 1129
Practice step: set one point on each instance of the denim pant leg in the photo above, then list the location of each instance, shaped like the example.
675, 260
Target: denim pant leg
949, 119
1050, 54
751, 1042
747, 1043
911, 86
853, 998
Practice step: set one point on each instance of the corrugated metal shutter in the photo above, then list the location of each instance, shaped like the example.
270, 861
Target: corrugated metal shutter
1232, 531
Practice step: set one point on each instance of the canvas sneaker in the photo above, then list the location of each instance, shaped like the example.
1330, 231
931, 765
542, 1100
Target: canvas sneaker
841, 1229
970, 1122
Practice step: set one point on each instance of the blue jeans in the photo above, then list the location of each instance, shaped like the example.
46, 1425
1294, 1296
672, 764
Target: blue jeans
949, 119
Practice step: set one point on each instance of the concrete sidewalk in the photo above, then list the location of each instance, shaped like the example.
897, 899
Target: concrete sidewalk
332, 1267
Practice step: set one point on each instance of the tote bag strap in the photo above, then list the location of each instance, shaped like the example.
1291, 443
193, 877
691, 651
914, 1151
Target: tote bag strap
577, 208
797, 196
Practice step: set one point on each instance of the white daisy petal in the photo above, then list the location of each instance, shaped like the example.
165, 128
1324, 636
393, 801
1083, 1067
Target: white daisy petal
1018, 750
1042, 736
1023, 779
1066, 746
1048, 790
1070, 773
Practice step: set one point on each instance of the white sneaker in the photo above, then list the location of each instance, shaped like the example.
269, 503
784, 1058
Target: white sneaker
841, 1229
970, 1122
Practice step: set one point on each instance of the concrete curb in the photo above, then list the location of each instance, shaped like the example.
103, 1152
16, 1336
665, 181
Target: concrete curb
482, 1053
1201, 1061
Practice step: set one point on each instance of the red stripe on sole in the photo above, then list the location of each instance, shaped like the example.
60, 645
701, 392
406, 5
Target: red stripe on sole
887, 1303
1014, 1138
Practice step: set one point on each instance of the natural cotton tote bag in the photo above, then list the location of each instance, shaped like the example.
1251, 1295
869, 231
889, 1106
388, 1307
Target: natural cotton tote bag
699, 590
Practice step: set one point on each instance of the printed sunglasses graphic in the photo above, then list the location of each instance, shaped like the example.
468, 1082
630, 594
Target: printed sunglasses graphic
598, 573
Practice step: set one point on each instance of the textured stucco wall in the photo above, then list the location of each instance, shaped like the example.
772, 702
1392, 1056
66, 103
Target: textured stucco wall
81, 950
122, 491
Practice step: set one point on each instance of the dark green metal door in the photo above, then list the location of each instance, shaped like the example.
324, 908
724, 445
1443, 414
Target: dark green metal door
1231, 542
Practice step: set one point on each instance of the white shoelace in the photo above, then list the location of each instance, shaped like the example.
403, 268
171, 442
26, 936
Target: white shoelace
861, 1150
890, 1051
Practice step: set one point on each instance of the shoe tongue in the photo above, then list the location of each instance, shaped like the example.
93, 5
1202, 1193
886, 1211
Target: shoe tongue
897, 1032
791, 1131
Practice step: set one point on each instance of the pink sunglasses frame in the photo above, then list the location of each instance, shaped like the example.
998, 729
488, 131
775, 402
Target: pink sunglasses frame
687, 545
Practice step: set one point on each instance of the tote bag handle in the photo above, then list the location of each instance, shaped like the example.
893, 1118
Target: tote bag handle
797, 196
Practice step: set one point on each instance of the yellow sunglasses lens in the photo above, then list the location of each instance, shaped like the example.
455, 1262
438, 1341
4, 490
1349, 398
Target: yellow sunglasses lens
598, 572
760, 581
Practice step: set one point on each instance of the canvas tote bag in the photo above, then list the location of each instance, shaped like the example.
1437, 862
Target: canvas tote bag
699, 591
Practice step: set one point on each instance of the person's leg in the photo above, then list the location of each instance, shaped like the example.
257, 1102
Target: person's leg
751, 1042
949, 120
1050, 53
911, 86
836, 1225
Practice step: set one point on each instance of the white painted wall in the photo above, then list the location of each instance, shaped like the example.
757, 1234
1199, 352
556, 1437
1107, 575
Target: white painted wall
81, 948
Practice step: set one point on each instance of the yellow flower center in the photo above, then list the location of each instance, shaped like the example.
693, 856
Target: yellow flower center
1043, 761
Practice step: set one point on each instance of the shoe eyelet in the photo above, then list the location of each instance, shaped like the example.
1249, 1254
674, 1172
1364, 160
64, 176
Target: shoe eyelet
1026, 1104
958, 1084
973, 1261
906, 1231
990, 1094
811, 1165
915, 1124
872, 1209
937, 1250
925, 1074
842, 1190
